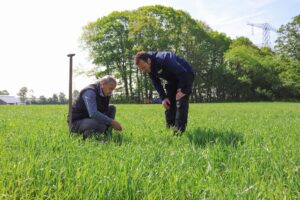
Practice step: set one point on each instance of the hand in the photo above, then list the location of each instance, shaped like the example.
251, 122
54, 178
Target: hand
179, 94
116, 125
166, 103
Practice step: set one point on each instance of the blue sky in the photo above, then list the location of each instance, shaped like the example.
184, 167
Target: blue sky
36, 35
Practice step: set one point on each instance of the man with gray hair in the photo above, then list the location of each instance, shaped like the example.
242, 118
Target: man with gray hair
91, 112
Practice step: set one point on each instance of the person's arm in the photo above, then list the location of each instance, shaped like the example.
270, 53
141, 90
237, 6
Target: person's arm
157, 85
89, 98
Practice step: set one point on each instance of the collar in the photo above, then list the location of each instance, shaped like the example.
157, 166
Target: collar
100, 90
153, 66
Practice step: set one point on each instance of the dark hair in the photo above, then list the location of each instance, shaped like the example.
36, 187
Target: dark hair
141, 56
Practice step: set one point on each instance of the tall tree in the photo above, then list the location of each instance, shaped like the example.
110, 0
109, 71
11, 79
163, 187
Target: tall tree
288, 42
255, 72
62, 98
55, 99
109, 46
23, 94
114, 39
42, 99
214, 71
289, 76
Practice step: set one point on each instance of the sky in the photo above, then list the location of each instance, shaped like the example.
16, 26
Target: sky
37, 35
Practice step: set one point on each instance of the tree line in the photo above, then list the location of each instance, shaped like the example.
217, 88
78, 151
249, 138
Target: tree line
27, 98
225, 69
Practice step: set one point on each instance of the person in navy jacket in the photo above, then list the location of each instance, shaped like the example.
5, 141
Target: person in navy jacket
178, 74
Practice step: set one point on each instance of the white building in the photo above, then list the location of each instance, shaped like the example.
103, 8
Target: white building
9, 100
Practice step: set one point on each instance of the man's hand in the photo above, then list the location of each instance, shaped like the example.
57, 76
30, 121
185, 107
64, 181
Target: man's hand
116, 125
179, 94
166, 103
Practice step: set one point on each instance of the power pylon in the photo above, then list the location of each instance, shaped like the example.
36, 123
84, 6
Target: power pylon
266, 27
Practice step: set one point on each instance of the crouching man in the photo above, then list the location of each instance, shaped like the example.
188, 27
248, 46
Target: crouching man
91, 112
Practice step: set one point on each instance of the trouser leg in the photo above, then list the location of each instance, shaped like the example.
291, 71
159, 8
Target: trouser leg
182, 105
182, 109
171, 112
88, 127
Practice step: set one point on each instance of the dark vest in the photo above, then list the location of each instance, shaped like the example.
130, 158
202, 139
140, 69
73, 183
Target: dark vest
79, 110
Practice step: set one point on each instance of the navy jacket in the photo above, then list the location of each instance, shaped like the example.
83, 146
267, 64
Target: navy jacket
174, 69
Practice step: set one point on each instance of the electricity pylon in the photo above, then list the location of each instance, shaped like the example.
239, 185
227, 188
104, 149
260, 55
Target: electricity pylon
266, 27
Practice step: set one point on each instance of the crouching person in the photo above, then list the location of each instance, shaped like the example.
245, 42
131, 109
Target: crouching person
91, 112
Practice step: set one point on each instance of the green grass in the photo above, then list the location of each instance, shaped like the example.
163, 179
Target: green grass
230, 151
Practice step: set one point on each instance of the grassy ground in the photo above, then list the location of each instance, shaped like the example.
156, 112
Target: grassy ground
230, 151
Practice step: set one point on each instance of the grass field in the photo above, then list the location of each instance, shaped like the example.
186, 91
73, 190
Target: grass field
230, 151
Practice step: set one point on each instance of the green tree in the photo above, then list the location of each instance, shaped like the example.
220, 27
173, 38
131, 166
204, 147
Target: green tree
289, 76
256, 72
287, 45
55, 99
62, 98
114, 39
33, 100
42, 99
225, 69
109, 46
23, 94
288, 42
4, 92
215, 79
245, 64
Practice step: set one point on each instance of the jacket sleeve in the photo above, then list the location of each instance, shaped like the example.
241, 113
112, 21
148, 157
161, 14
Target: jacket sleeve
89, 98
157, 85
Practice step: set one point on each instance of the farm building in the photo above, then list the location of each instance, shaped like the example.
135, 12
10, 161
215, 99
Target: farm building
9, 100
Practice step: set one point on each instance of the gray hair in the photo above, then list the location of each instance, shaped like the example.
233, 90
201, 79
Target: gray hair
108, 79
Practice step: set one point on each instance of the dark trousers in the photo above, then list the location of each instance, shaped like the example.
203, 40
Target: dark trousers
89, 126
177, 114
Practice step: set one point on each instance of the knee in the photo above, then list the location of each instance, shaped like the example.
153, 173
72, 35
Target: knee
90, 124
